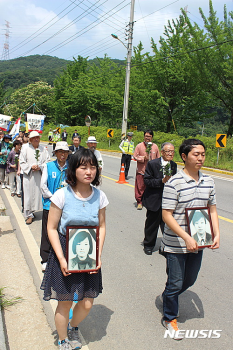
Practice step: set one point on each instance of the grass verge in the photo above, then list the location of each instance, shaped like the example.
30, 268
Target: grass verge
5, 302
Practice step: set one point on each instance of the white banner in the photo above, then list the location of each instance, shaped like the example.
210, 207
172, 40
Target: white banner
4, 122
35, 122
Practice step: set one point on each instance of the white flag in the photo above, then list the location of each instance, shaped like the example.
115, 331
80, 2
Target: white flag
15, 130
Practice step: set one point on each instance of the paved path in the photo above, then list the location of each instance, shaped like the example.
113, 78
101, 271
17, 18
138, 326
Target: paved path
25, 322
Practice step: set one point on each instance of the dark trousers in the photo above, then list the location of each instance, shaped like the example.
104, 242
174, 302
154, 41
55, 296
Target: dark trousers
153, 221
45, 245
126, 159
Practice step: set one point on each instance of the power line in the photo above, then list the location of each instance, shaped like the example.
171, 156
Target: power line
81, 16
184, 53
27, 39
122, 68
62, 29
157, 10
90, 47
101, 42
73, 37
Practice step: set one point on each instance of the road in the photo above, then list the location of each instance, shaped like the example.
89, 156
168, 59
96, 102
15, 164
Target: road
128, 313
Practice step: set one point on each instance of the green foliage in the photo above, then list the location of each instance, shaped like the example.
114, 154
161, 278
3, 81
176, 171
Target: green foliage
186, 83
39, 93
225, 158
20, 72
210, 58
86, 89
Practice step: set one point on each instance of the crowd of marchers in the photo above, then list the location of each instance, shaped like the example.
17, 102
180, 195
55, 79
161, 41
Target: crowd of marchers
67, 189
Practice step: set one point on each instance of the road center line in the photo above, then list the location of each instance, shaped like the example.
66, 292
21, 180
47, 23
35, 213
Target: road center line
106, 177
220, 217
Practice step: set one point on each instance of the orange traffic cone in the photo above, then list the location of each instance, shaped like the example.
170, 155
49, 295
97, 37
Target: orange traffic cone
122, 176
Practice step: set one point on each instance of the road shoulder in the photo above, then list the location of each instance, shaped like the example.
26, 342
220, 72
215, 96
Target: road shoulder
25, 322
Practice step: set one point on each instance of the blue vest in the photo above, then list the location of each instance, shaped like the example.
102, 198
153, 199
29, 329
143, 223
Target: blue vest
54, 181
78, 212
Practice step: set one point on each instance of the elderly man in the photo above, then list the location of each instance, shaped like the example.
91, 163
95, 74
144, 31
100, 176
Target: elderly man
32, 159
76, 144
127, 148
91, 144
144, 152
53, 178
158, 172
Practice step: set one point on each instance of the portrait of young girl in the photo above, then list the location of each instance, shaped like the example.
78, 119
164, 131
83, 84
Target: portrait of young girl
78, 204
82, 250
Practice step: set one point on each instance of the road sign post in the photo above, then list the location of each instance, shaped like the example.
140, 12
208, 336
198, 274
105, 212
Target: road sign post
110, 133
221, 142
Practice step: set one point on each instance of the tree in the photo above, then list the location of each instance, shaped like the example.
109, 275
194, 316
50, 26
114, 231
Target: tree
39, 93
181, 101
210, 58
85, 89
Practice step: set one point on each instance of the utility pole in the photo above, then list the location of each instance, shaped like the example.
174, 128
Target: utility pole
5, 53
127, 77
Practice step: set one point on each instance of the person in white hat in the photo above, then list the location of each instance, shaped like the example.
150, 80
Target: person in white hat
91, 144
32, 160
53, 178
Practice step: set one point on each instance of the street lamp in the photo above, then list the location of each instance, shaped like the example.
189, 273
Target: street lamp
128, 63
116, 37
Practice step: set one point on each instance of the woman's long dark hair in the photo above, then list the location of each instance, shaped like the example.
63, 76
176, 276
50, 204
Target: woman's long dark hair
82, 157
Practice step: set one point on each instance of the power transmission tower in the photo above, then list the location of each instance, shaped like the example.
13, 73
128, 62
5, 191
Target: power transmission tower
5, 53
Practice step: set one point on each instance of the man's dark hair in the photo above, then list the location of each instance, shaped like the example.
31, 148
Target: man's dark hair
82, 157
77, 137
188, 145
17, 142
149, 131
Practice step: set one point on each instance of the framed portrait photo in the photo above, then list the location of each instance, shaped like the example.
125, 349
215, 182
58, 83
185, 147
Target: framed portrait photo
200, 226
82, 248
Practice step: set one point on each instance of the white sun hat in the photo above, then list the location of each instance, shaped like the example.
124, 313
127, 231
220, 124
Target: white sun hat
91, 139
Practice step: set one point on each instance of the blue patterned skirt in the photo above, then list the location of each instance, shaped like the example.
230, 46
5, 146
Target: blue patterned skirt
76, 286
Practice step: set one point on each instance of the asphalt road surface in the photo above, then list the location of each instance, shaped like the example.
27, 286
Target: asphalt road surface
128, 313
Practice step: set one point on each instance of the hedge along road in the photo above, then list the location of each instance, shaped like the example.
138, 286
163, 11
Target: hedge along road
128, 313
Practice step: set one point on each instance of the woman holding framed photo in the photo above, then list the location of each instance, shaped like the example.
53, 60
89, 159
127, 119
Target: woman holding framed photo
78, 204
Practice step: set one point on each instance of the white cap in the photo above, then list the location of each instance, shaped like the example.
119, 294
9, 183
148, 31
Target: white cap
33, 134
62, 145
91, 139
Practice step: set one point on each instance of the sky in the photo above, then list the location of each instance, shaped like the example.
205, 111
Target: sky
68, 28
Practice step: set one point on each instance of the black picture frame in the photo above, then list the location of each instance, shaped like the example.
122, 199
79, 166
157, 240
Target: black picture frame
82, 248
200, 226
